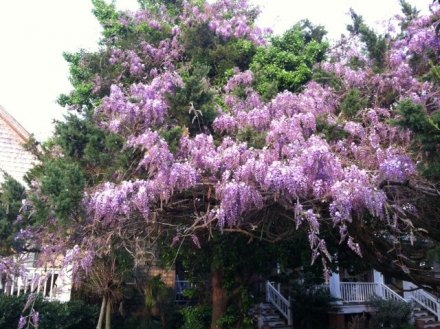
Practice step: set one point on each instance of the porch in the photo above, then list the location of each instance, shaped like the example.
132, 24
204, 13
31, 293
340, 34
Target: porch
355, 297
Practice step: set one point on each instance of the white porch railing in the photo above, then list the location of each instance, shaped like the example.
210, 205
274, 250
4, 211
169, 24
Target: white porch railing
360, 292
425, 299
388, 293
281, 303
48, 282
356, 292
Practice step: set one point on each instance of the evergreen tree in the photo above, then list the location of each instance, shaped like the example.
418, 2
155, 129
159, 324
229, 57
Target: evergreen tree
175, 132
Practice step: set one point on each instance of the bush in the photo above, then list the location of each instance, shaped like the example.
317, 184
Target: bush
196, 317
53, 315
391, 314
310, 307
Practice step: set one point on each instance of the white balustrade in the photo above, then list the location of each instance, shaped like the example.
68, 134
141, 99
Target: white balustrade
425, 299
357, 292
281, 303
37, 280
360, 292
388, 293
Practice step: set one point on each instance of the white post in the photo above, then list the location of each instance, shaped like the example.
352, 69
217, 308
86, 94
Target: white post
52, 276
25, 283
19, 281
335, 287
45, 285
64, 285
406, 285
267, 292
379, 281
38, 283
278, 272
12, 286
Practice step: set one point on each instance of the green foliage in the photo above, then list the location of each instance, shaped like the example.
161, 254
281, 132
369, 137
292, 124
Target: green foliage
433, 74
157, 294
236, 315
287, 64
391, 314
193, 105
81, 77
327, 78
80, 154
331, 132
63, 182
353, 103
253, 138
376, 45
98, 152
426, 129
173, 6
107, 17
172, 137
11, 195
53, 315
310, 306
204, 48
409, 13
196, 317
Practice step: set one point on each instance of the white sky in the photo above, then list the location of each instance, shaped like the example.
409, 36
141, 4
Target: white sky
34, 34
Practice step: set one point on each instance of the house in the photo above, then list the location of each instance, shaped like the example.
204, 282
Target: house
352, 294
16, 161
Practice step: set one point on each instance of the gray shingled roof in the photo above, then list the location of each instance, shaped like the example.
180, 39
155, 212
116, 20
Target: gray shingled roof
14, 159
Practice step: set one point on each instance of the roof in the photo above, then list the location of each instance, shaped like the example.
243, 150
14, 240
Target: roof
14, 159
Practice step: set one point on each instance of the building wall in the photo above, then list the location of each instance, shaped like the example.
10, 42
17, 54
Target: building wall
14, 159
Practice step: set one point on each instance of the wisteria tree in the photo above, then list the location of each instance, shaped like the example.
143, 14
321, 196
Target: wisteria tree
176, 132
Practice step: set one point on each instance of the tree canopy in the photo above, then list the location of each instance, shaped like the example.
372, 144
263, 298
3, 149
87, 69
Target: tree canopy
190, 121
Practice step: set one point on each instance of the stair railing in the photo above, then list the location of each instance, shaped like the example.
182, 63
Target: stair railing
426, 300
388, 293
359, 292
281, 303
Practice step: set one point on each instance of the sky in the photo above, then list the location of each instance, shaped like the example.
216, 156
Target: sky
34, 35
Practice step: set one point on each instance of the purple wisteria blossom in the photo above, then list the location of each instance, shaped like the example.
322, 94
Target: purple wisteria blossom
311, 160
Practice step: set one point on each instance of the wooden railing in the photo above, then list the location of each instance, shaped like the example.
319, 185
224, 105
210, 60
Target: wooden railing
389, 294
281, 303
357, 292
360, 292
426, 300
37, 280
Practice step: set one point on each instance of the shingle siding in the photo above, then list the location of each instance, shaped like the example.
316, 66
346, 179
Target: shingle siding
14, 159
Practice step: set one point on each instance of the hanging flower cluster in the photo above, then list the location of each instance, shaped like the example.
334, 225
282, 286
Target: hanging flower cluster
300, 167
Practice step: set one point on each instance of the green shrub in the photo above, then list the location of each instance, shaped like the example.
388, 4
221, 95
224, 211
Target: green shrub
53, 315
310, 307
353, 103
196, 317
391, 314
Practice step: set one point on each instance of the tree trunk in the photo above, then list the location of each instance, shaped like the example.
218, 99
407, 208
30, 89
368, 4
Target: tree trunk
101, 313
108, 313
219, 297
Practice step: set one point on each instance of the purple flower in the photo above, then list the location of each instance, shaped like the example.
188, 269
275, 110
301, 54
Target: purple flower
22, 322
35, 319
